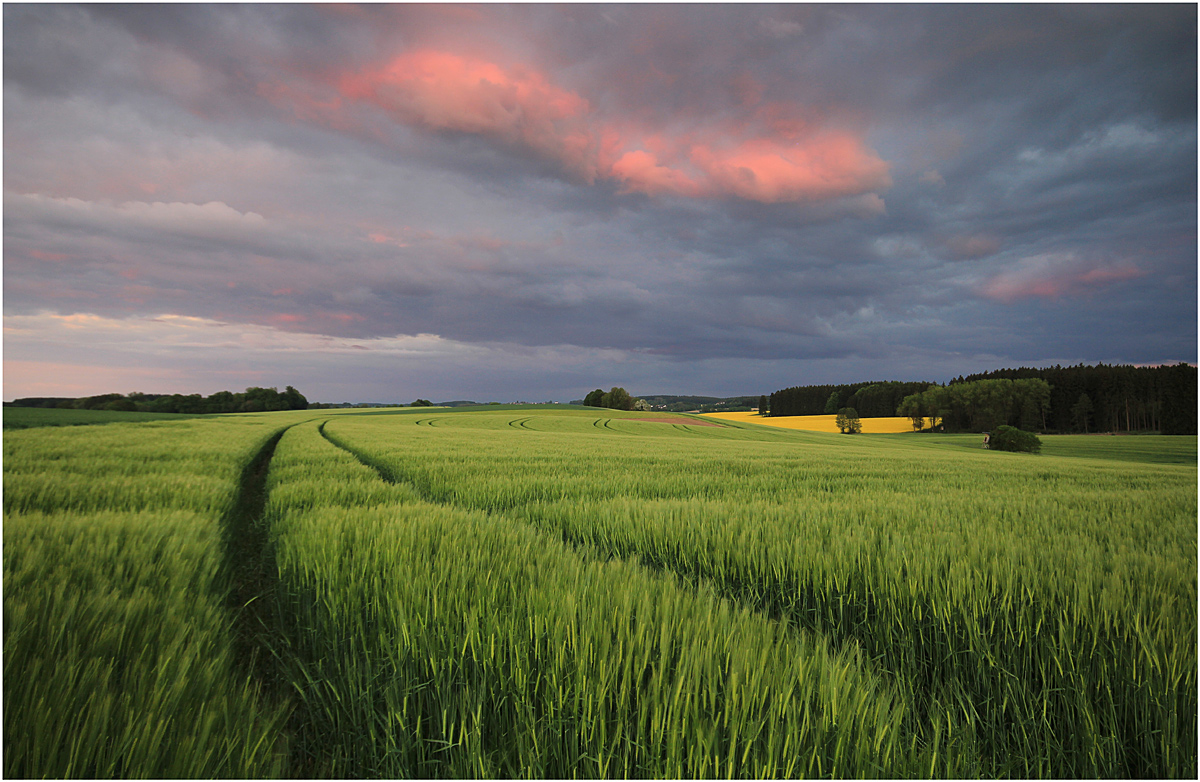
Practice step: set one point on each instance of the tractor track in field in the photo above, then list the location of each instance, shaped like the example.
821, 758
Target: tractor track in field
383, 472
799, 605
792, 613
586, 548
251, 574
605, 424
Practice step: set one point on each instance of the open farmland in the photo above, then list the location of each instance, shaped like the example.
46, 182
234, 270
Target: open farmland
556, 592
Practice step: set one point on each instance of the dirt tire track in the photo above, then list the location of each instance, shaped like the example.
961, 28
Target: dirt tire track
248, 569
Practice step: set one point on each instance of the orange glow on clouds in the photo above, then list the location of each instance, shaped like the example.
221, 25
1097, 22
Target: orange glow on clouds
769, 157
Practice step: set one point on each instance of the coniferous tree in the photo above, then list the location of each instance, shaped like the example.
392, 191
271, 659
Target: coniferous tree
1081, 411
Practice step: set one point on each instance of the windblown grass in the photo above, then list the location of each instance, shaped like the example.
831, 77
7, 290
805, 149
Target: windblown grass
1044, 609
432, 641
580, 592
117, 648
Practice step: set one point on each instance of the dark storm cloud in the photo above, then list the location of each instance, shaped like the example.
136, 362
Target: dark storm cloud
676, 193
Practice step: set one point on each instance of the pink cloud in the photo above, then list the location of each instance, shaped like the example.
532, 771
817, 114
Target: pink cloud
769, 170
1053, 276
641, 173
768, 153
446, 91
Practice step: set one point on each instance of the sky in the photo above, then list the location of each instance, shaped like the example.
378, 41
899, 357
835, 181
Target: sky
527, 202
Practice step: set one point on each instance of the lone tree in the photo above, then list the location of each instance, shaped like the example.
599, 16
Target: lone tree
912, 408
847, 421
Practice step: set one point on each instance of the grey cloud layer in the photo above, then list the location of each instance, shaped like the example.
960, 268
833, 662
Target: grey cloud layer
1042, 204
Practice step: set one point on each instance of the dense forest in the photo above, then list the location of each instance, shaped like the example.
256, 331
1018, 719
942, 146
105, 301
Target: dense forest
981, 406
1113, 398
1083, 398
252, 400
871, 400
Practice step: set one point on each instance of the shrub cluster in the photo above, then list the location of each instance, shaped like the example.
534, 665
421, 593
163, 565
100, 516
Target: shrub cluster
1010, 438
616, 399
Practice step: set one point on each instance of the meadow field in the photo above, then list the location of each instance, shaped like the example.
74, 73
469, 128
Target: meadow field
578, 592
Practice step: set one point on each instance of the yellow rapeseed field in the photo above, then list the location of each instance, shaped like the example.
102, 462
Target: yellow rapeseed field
818, 423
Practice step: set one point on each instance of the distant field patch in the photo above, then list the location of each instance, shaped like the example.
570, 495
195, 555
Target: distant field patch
32, 417
817, 423
686, 421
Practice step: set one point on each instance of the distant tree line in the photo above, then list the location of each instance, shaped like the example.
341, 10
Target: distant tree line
1083, 398
1112, 398
871, 400
252, 400
705, 404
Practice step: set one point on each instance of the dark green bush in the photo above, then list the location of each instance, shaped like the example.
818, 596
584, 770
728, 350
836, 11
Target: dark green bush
1010, 438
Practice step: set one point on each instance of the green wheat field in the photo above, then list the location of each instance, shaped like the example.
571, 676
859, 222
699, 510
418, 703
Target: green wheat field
564, 592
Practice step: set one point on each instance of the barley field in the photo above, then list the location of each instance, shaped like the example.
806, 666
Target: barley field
559, 592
